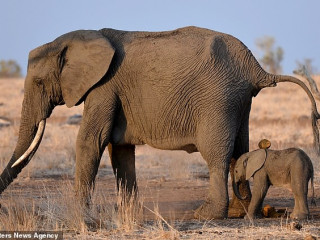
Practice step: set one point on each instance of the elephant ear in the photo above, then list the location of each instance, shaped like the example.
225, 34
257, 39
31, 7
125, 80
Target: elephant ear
255, 162
84, 60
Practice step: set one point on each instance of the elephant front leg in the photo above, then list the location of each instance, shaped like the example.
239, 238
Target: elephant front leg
93, 136
88, 156
260, 189
123, 164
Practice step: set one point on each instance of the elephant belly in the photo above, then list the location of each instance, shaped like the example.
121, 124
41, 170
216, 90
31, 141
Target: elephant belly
170, 145
281, 180
123, 134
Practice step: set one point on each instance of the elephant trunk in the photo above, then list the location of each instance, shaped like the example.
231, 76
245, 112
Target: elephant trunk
33, 146
235, 186
30, 135
314, 114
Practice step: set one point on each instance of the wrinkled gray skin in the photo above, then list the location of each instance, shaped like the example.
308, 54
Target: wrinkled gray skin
290, 168
188, 89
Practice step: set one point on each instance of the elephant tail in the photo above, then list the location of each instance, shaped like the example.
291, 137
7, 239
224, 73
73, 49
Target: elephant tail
314, 114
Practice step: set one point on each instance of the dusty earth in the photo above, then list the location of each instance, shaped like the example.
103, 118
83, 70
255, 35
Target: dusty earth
171, 184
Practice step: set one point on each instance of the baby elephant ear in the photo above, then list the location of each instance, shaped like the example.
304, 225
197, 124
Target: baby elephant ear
84, 60
256, 161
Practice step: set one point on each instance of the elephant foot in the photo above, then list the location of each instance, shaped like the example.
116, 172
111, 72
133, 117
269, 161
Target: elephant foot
209, 211
299, 216
90, 219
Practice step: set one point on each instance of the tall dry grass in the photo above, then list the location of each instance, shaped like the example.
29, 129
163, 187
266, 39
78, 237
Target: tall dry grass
63, 213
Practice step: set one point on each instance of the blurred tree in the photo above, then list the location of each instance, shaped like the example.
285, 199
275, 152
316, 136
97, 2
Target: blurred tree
307, 63
272, 56
9, 68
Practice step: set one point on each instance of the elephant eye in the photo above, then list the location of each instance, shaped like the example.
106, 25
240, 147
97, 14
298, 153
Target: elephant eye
38, 81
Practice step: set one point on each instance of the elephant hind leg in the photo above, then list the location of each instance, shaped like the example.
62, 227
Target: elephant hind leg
216, 203
300, 192
217, 158
123, 164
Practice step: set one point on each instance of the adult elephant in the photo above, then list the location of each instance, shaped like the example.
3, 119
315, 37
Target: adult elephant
188, 89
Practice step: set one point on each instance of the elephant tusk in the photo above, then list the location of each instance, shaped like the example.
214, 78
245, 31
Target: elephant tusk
33, 145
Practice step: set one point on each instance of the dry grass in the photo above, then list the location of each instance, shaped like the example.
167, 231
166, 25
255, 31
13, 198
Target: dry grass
126, 223
17, 216
42, 197
63, 213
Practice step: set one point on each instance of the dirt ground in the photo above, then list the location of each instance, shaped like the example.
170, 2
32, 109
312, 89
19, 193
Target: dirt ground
172, 184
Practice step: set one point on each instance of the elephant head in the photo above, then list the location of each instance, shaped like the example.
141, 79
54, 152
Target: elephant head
60, 72
246, 166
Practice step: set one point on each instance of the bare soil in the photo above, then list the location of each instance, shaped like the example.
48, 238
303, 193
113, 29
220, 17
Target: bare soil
176, 198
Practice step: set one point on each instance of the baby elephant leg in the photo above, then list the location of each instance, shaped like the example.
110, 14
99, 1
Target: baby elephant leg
259, 191
300, 193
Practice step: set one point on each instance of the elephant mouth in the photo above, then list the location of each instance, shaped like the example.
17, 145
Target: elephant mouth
33, 146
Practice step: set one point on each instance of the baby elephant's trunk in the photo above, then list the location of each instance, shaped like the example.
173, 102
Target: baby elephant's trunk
236, 191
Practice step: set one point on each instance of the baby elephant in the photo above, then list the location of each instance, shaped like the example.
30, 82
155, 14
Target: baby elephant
290, 168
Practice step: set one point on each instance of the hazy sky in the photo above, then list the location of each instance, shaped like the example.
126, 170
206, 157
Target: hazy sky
26, 24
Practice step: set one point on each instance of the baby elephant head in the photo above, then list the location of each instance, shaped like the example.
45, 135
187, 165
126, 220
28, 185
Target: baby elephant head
246, 166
